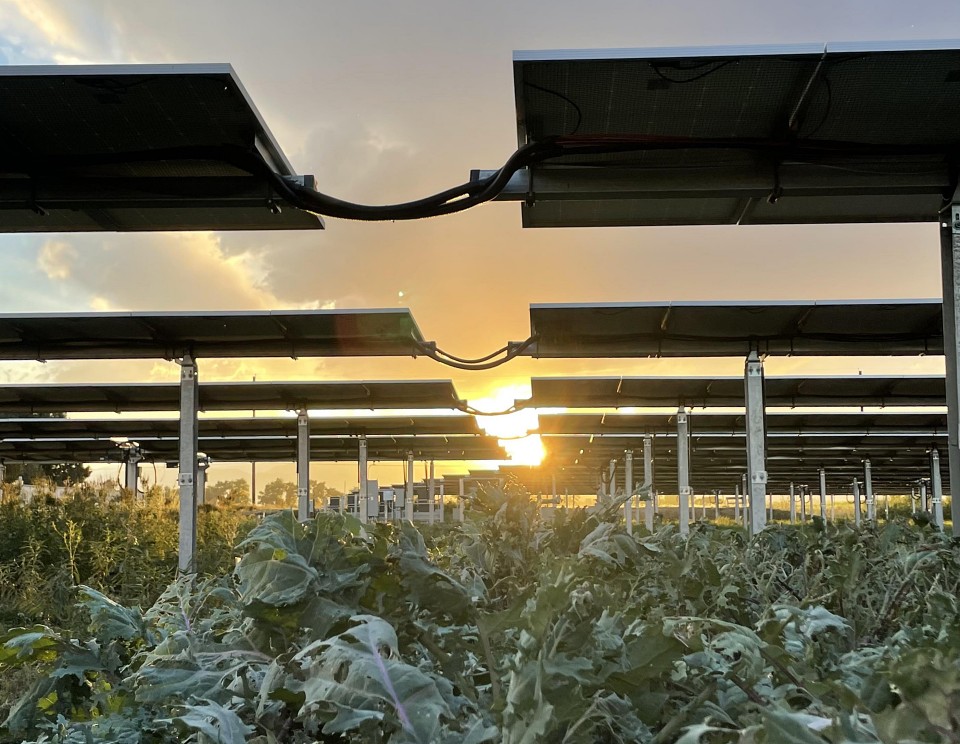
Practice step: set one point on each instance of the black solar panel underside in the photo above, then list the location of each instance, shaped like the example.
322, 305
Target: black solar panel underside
897, 98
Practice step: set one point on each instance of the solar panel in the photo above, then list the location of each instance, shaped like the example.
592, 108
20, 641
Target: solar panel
797, 424
825, 390
137, 147
811, 133
146, 335
702, 329
136, 429
228, 396
263, 449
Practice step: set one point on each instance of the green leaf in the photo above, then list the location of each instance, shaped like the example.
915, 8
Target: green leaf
214, 723
784, 727
264, 577
110, 620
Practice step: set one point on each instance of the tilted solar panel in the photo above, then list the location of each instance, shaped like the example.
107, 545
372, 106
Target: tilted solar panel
808, 133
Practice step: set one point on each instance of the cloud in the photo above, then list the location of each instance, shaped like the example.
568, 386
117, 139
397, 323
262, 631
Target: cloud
56, 259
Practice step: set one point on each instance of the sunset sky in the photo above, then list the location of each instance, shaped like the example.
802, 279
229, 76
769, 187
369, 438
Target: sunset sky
389, 101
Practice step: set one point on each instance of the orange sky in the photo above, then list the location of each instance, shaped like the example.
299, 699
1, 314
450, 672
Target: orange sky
391, 101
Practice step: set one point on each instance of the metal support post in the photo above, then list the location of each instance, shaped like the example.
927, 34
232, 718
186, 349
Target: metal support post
856, 502
628, 490
362, 494
648, 481
745, 492
950, 271
203, 462
187, 478
440, 503
408, 496
716, 505
868, 491
683, 471
756, 442
936, 501
460, 501
431, 493
736, 503
923, 496
131, 474
303, 465
823, 494
803, 503
612, 482
793, 505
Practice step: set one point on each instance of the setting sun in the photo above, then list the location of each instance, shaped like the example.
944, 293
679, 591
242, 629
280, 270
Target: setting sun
512, 429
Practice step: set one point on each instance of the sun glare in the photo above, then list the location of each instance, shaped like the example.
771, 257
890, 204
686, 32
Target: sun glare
513, 429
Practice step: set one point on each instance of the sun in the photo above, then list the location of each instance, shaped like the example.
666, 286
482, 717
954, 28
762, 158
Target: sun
513, 429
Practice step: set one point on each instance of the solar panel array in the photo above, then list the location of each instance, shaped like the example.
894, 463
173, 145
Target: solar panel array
787, 134
137, 147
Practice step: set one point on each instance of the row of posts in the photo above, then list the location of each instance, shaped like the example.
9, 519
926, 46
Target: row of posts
745, 495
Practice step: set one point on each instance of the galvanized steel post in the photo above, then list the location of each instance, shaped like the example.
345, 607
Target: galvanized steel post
823, 494
936, 501
362, 494
303, 465
868, 491
187, 478
408, 495
756, 442
628, 490
648, 481
950, 271
683, 471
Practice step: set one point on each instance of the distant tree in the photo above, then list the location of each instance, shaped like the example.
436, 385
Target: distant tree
279, 493
320, 493
60, 474
228, 492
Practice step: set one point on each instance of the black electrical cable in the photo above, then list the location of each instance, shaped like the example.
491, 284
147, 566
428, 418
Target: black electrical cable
720, 65
467, 408
562, 97
512, 352
466, 195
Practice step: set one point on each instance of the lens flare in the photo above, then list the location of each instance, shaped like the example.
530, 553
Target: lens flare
512, 430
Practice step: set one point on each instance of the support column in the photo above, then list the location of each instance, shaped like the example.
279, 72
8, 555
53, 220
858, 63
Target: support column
203, 462
362, 494
745, 492
131, 474
803, 503
823, 495
683, 471
716, 505
303, 465
793, 505
855, 488
736, 503
868, 491
612, 481
756, 442
628, 490
950, 271
187, 478
463, 495
923, 495
648, 481
408, 496
431, 493
936, 501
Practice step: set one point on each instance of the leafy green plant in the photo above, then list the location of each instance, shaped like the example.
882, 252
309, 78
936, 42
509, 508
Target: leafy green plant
512, 629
